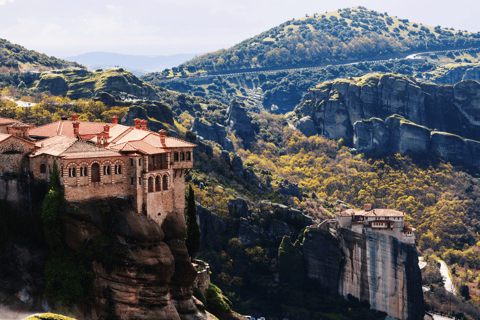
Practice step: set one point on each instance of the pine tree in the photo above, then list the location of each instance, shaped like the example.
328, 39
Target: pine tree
192, 240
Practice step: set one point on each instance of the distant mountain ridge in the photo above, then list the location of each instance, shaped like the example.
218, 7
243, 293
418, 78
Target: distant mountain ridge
136, 64
343, 35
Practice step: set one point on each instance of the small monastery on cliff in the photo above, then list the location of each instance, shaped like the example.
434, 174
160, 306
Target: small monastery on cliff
97, 160
386, 221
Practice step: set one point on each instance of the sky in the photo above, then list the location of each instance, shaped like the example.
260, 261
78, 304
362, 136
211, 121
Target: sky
63, 28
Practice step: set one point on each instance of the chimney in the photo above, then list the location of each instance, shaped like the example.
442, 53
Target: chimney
74, 117
114, 119
137, 123
144, 125
106, 128
76, 128
162, 134
367, 206
64, 117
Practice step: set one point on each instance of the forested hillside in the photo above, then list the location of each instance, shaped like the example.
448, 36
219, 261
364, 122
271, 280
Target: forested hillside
348, 34
17, 57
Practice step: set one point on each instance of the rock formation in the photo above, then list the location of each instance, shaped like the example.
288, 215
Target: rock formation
372, 267
240, 122
355, 107
397, 134
335, 106
152, 110
82, 84
453, 73
214, 132
145, 271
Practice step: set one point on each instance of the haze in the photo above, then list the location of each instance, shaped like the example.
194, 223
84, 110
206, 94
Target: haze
165, 27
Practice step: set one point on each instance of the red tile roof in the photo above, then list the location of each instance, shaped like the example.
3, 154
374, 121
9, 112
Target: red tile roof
65, 128
7, 120
6, 136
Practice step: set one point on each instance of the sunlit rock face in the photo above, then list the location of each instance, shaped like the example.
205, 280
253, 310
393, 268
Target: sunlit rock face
371, 266
145, 272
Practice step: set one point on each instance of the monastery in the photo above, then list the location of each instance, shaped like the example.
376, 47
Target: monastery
97, 160
386, 221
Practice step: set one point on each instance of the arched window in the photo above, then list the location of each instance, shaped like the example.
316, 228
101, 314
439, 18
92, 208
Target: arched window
118, 169
165, 182
157, 183
95, 172
150, 184
72, 172
43, 168
106, 170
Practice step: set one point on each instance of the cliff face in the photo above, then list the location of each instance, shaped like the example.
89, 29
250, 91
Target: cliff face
453, 73
335, 106
372, 267
143, 270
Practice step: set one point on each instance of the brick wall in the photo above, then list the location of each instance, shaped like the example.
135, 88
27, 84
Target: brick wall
13, 156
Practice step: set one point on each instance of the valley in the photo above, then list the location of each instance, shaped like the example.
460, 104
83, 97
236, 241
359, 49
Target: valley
348, 110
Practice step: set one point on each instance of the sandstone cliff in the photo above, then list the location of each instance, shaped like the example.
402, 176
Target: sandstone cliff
334, 107
372, 267
240, 122
143, 270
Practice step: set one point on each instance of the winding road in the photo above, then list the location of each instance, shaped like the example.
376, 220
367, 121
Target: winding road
446, 277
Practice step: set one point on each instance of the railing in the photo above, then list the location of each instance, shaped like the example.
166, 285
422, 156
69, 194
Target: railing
157, 166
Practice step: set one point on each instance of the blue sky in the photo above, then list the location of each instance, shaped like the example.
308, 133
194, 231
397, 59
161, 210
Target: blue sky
165, 27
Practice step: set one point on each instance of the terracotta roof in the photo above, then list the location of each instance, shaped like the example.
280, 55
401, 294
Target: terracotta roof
407, 229
124, 147
132, 135
7, 120
147, 148
19, 124
71, 148
372, 213
4, 136
117, 132
65, 128
172, 142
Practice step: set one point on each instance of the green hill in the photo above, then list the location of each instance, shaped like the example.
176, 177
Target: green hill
348, 34
17, 57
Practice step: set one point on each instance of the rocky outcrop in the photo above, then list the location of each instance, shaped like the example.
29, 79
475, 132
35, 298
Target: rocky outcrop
334, 107
145, 271
372, 267
240, 122
453, 73
153, 110
213, 132
82, 84
238, 208
397, 134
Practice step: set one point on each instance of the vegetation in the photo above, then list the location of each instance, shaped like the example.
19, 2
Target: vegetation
355, 33
14, 56
192, 240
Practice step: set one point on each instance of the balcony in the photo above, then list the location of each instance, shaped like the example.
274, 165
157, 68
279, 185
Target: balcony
157, 166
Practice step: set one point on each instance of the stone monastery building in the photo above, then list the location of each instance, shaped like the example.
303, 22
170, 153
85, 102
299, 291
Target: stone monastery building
387, 221
97, 160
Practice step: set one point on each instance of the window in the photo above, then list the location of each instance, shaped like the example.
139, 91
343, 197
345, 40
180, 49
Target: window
182, 156
72, 172
118, 169
61, 172
106, 170
132, 180
165, 182
83, 171
140, 181
188, 156
95, 172
150, 184
140, 162
175, 156
157, 183
131, 162
43, 168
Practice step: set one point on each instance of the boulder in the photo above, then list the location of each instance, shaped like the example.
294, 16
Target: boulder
307, 126
213, 132
238, 208
278, 229
240, 122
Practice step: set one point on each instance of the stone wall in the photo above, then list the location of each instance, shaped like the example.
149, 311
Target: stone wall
13, 156
370, 266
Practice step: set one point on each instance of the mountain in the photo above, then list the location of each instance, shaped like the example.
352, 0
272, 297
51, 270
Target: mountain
136, 64
17, 57
343, 35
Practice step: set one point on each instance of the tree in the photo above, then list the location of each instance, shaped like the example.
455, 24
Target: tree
192, 240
